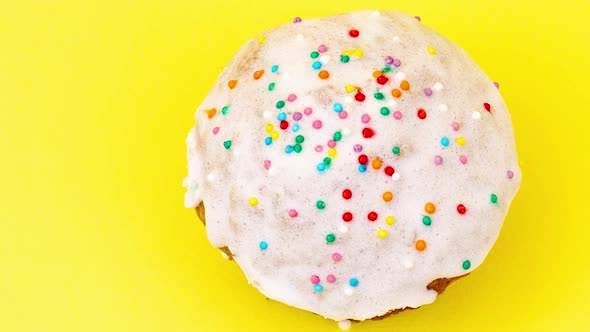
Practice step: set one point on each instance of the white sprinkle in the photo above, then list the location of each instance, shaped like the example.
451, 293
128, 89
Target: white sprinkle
443, 107
236, 152
376, 13
267, 114
348, 99
346, 131
395, 176
212, 177
224, 255
408, 264
299, 36
396, 39
392, 103
343, 229
437, 86
285, 76
348, 291
400, 76
344, 325
325, 59
476, 115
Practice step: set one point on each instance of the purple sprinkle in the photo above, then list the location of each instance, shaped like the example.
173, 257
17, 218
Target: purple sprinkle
428, 92
418, 18
297, 116
388, 60
497, 85
358, 148
297, 19
397, 63
510, 174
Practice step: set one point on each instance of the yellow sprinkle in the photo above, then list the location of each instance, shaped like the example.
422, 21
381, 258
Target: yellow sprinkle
431, 50
347, 52
358, 52
350, 88
274, 135
381, 233
460, 140
261, 40
269, 127
390, 220
332, 152
253, 201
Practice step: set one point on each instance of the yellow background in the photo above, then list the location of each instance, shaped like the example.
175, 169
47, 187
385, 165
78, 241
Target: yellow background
96, 98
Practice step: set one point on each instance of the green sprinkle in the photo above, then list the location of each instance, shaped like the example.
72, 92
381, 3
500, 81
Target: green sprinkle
344, 58
280, 104
299, 139
379, 96
330, 238
314, 54
337, 136
327, 161
225, 109
297, 148
396, 150
320, 205
466, 265
227, 144
384, 111
426, 220
494, 198
271, 86
386, 69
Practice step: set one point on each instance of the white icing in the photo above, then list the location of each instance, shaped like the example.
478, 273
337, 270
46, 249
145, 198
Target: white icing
344, 325
392, 274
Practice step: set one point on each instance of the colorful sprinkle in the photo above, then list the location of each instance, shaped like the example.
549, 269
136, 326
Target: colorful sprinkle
421, 114
431, 50
420, 245
211, 112
359, 96
396, 150
390, 220
444, 141
274, 68
297, 19
384, 111
320, 204
493, 198
426, 220
353, 282
232, 84
318, 288
253, 201
336, 257
404, 85
430, 208
330, 238
263, 245
428, 92
315, 279
368, 132
460, 140
387, 196
258, 74
331, 278
353, 33
347, 216
438, 160
461, 209
271, 86
314, 54
227, 145
466, 265
372, 216
463, 159
346, 194
324, 75
381, 233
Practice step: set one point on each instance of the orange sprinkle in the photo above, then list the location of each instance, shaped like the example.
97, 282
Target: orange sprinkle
376, 163
404, 85
430, 208
377, 73
232, 84
396, 93
420, 245
324, 74
258, 74
387, 196
211, 112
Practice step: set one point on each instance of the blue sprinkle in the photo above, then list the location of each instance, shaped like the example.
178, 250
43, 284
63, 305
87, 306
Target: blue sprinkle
268, 141
321, 167
318, 288
362, 168
274, 68
263, 245
317, 65
295, 128
282, 116
289, 149
444, 141
354, 282
338, 107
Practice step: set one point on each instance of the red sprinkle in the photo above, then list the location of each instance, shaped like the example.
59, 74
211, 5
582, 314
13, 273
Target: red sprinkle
389, 170
368, 133
353, 33
382, 80
461, 209
359, 96
372, 216
347, 216
346, 193
488, 107
422, 114
363, 159
284, 125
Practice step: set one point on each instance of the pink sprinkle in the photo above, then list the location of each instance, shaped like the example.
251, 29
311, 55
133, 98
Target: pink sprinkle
267, 164
497, 85
463, 159
418, 18
343, 115
388, 60
292, 97
297, 19
297, 116
397, 115
397, 63
315, 279
308, 111
510, 174
438, 160
456, 125
319, 148
215, 130
322, 48
331, 279
358, 148
331, 143
336, 257
428, 92
365, 118
292, 213
317, 124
